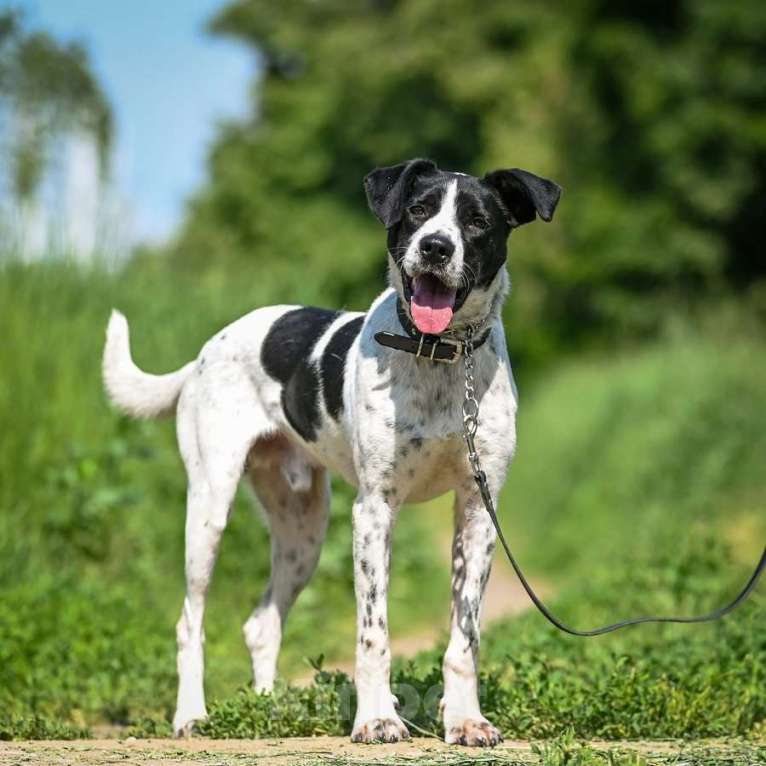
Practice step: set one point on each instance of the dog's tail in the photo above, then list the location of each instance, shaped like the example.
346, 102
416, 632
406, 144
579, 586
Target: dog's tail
130, 389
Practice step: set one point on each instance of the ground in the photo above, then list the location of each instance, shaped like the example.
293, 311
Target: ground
339, 751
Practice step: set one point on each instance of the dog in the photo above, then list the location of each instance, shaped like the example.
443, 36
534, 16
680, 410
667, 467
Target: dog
287, 394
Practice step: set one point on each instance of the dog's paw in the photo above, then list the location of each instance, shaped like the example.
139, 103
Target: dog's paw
473, 733
380, 730
183, 726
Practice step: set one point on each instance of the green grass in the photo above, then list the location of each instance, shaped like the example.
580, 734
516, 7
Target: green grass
639, 485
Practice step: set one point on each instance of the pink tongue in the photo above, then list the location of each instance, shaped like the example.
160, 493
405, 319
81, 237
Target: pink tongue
431, 305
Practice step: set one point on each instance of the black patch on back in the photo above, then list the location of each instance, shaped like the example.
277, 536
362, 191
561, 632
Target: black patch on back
285, 357
334, 364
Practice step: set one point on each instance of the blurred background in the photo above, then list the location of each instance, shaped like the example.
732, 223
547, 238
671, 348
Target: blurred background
191, 161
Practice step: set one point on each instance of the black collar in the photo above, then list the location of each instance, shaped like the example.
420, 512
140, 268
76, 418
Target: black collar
437, 348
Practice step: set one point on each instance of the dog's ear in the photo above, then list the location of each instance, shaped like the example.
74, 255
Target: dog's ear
524, 195
387, 188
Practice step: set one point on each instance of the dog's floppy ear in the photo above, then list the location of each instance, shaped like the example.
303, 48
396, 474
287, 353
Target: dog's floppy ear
524, 195
387, 188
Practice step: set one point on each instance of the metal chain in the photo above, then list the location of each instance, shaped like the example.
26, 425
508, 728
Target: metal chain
470, 403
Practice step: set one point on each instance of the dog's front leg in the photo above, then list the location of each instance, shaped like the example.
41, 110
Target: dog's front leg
472, 549
376, 719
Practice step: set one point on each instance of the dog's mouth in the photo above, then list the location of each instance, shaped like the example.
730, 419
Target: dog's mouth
432, 302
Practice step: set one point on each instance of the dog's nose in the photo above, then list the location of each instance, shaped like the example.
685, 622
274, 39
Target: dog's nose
436, 249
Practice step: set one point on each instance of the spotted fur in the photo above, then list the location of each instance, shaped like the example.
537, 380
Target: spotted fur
286, 394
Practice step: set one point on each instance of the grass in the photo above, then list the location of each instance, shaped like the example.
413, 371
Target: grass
638, 486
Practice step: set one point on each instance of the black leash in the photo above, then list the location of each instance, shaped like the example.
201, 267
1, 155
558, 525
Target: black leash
470, 425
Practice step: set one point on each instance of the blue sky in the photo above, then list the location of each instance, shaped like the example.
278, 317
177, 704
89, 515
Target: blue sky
169, 83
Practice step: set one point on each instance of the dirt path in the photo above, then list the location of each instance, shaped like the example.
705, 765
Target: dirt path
339, 751
158, 752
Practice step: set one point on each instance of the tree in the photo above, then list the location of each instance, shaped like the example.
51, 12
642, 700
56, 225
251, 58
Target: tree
651, 115
47, 90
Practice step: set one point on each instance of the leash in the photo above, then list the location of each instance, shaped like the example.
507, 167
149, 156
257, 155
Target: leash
470, 426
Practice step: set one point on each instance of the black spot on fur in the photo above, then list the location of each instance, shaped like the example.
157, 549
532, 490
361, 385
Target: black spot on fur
417, 442
285, 357
334, 364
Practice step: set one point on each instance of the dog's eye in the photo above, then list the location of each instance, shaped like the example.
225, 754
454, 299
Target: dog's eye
479, 222
417, 211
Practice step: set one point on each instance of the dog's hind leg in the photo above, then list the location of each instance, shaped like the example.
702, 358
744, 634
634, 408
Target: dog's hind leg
214, 436
295, 497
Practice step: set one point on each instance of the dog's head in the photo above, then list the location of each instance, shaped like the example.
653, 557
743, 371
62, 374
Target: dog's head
448, 232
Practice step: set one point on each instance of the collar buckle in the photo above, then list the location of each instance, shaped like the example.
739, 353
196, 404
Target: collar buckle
435, 343
457, 344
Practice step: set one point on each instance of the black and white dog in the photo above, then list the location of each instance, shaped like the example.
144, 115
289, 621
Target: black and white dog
286, 394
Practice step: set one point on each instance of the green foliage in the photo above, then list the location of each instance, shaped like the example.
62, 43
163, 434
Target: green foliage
671, 442
38, 727
651, 115
566, 751
47, 89
323, 708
